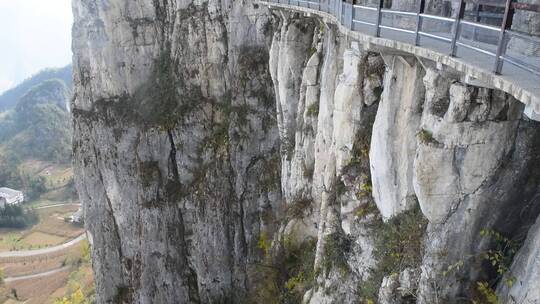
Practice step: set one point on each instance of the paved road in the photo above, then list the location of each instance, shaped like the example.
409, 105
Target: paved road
37, 275
29, 253
56, 205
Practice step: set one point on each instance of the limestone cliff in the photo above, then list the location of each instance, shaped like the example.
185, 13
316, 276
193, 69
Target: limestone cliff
226, 153
176, 147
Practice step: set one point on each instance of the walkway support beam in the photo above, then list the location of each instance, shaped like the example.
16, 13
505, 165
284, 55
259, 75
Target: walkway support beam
501, 47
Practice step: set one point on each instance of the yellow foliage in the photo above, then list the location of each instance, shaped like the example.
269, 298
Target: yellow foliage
86, 251
78, 297
488, 295
62, 301
264, 243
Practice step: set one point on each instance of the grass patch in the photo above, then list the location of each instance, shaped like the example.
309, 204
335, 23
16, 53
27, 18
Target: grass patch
264, 244
313, 110
312, 51
39, 239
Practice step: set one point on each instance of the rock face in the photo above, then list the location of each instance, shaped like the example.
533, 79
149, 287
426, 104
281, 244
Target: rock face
176, 147
230, 154
393, 143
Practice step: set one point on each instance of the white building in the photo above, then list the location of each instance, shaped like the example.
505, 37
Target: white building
10, 197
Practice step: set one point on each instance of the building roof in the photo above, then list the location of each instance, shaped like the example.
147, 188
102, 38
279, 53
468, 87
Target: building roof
7, 192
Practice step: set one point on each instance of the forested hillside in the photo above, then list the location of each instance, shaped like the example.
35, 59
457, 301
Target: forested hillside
35, 129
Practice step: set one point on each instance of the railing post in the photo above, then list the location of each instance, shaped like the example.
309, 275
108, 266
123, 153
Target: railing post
351, 24
379, 16
455, 29
477, 9
341, 11
419, 12
501, 47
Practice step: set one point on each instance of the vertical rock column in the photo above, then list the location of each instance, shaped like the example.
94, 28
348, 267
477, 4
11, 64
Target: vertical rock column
393, 143
176, 148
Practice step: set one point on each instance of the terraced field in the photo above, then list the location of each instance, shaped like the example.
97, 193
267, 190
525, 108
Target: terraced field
51, 230
37, 265
47, 277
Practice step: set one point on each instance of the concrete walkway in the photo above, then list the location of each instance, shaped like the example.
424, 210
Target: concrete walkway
29, 253
523, 85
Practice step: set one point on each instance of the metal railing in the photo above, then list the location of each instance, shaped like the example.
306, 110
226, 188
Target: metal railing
455, 36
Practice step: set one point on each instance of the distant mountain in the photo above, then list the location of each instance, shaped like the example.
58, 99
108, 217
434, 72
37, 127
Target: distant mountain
51, 91
9, 99
35, 128
38, 125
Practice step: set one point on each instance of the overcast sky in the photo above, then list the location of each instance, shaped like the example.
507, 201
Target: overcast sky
34, 34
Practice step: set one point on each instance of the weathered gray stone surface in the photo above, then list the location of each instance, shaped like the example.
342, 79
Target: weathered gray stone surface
524, 273
176, 147
393, 142
209, 136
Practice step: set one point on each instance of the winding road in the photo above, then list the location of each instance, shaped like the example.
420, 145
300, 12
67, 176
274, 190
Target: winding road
29, 253
55, 205
37, 275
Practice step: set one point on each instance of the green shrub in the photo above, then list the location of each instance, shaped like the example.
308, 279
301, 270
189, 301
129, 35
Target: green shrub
287, 275
502, 254
298, 208
312, 51
426, 137
15, 216
485, 294
398, 244
366, 209
338, 246
297, 269
264, 243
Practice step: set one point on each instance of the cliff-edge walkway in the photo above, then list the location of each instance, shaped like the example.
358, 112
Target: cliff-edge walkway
488, 55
